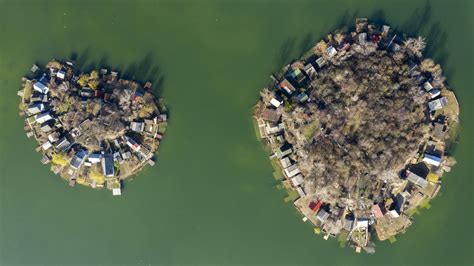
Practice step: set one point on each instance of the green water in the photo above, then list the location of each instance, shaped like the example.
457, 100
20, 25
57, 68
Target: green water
211, 198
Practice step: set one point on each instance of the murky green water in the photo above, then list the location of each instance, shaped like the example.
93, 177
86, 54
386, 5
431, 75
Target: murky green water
211, 198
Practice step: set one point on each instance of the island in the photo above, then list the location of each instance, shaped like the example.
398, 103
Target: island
360, 131
95, 129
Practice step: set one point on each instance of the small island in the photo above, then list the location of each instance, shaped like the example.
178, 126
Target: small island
95, 129
360, 131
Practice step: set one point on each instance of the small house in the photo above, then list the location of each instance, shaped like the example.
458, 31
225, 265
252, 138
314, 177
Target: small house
63, 144
320, 62
137, 126
46, 145
438, 131
394, 213
362, 38
270, 115
322, 216
292, 171
348, 224
108, 165
275, 102
284, 150
35, 108
377, 211
434, 93
437, 104
331, 51
46, 127
310, 71
78, 159
94, 157
132, 143
285, 162
427, 86
302, 97
40, 87
43, 117
61, 74
314, 206
37, 96
432, 159
416, 179
297, 179
287, 86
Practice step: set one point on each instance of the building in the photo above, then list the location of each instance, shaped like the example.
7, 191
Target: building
37, 96
40, 87
36, 108
275, 102
108, 165
300, 191
320, 62
292, 171
416, 179
94, 157
63, 144
118, 157
43, 117
46, 127
432, 159
137, 126
310, 71
331, 51
322, 216
362, 37
78, 159
434, 93
285, 162
132, 143
287, 86
270, 115
46, 145
427, 86
61, 74
438, 104
377, 211
297, 180
284, 150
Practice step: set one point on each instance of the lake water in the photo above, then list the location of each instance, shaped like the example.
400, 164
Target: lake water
211, 198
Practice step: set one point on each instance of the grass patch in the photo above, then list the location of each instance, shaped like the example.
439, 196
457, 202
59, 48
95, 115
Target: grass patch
310, 129
278, 175
342, 237
292, 196
392, 239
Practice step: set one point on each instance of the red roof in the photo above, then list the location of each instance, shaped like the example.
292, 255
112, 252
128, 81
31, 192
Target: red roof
314, 206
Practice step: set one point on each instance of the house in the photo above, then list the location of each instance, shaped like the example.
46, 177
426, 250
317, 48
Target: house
43, 117
310, 71
427, 86
314, 206
322, 215
361, 224
275, 102
137, 126
40, 87
94, 157
348, 224
53, 137
61, 74
302, 97
377, 211
400, 200
163, 117
126, 155
416, 179
292, 171
270, 115
46, 127
151, 127
437, 104
285, 162
36, 108
46, 145
132, 143
297, 180
331, 51
431, 159
298, 76
320, 62
63, 144
284, 150
116, 191
78, 159
300, 191
37, 96
362, 37
108, 165
394, 213
287, 86
434, 93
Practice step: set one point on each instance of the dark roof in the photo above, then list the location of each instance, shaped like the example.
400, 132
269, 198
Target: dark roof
108, 165
270, 115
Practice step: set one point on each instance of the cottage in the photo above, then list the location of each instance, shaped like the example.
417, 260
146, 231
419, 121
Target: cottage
63, 144
37, 96
362, 37
35, 108
61, 74
427, 86
275, 102
94, 157
137, 126
46, 145
297, 180
116, 191
434, 93
416, 179
108, 165
331, 51
292, 171
320, 62
438, 104
40, 87
300, 191
284, 150
43, 117
285, 162
310, 71
432, 159
377, 211
322, 216
46, 127
271, 115
132, 143
287, 86
78, 159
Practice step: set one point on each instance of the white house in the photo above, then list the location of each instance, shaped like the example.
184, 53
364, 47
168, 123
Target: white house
292, 171
285, 162
61, 74
94, 157
40, 87
275, 102
331, 51
438, 104
43, 117
297, 180
431, 159
427, 86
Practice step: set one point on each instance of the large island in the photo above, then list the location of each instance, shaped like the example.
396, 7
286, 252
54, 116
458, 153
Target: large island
360, 130
95, 129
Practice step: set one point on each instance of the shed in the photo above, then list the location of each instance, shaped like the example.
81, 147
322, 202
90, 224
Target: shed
377, 211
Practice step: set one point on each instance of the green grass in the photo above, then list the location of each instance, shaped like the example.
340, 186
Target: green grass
278, 175
292, 195
310, 129
392, 239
